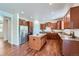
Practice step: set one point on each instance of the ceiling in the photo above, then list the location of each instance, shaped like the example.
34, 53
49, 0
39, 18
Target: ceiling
40, 11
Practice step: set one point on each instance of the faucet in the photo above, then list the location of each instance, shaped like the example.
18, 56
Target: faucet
72, 34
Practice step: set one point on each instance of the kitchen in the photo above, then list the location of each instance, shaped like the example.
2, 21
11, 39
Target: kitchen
65, 27
42, 29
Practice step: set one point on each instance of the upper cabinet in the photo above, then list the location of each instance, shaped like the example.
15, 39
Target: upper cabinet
52, 25
67, 21
42, 26
59, 24
74, 17
30, 27
71, 20
23, 22
48, 24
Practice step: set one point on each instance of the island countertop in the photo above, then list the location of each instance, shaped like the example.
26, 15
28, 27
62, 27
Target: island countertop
38, 35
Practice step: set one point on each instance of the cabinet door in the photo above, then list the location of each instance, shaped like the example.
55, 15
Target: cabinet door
74, 17
23, 23
66, 23
58, 24
20, 22
70, 48
42, 26
52, 25
30, 27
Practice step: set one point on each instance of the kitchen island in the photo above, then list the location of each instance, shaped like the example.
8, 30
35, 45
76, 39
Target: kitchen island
64, 44
37, 41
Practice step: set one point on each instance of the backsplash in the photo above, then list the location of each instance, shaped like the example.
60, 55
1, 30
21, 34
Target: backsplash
76, 31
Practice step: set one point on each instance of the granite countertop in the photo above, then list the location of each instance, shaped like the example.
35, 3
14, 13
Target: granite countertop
38, 35
67, 37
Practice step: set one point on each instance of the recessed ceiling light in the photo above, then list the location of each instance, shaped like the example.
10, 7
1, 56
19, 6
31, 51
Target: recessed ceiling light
50, 4
22, 12
31, 17
36, 22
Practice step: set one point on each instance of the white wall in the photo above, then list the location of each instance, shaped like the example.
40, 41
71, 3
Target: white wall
3, 13
1, 29
15, 29
1, 34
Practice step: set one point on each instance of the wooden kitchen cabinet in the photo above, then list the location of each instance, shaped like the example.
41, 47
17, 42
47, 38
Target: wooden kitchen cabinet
36, 41
70, 47
30, 27
74, 17
71, 19
20, 22
67, 23
48, 24
51, 25
42, 26
23, 22
58, 24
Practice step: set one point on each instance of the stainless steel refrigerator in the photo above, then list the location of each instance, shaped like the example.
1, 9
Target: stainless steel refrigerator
23, 34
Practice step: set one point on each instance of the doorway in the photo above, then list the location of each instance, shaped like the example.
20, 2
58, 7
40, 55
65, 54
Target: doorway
7, 29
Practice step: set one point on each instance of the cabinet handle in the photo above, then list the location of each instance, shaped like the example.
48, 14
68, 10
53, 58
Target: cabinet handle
33, 39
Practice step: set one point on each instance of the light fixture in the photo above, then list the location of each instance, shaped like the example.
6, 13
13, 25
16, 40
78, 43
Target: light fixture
22, 12
31, 17
50, 4
36, 22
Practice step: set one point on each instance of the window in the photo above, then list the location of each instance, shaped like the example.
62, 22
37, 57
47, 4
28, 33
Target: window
1, 23
1, 27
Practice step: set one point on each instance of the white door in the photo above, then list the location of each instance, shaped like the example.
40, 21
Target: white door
7, 28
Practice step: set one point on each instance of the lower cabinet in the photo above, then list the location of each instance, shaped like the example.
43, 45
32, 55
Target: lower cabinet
70, 48
36, 42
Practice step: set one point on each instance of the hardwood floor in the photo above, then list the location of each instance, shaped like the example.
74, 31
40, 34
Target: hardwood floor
49, 49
